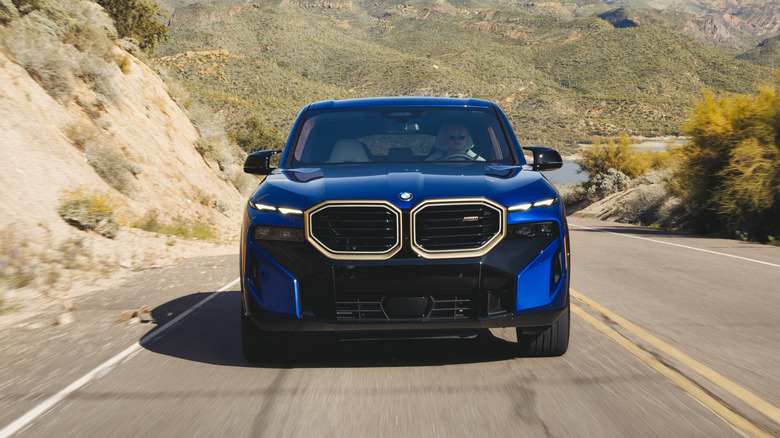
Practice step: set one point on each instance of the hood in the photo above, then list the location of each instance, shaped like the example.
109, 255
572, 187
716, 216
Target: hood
304, 188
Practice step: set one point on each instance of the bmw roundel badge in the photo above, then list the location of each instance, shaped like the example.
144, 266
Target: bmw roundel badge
405, 196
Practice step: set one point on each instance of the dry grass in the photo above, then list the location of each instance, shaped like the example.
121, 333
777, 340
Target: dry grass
178, 227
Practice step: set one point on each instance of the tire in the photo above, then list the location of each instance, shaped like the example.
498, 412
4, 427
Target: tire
252, 339
256, 345
551, 341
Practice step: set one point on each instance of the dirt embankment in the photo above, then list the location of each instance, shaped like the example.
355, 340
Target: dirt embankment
51, 152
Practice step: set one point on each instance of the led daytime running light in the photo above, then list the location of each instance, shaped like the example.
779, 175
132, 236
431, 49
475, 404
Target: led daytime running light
262, 207
545, 203
520, 207
282, 210
528, 206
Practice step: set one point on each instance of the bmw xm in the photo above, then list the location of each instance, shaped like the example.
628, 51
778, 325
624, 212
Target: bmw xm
409, 217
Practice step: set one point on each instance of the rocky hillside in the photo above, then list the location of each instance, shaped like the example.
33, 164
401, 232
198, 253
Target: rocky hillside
47, 146
100, 174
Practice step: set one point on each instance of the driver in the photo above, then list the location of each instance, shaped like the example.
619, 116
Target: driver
453, 143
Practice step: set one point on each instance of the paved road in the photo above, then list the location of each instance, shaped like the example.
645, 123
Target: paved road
672, 336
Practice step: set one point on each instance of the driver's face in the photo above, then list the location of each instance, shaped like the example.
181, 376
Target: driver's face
457, 138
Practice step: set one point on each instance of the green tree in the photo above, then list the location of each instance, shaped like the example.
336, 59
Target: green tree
142, 20
252, 135
728, 172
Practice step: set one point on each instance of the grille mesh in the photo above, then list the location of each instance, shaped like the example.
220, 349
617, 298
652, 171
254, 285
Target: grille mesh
362, 229
444, 307
459, 227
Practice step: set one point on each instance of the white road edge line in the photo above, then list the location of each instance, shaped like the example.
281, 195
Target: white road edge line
678, 245
102, 369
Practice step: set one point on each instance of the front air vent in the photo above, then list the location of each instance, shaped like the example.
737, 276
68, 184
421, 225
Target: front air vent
436, 307
355, 229
457, 228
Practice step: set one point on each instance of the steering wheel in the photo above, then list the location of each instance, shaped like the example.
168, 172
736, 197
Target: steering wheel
458, 157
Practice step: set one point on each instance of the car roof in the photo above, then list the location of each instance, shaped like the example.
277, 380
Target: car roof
401, 101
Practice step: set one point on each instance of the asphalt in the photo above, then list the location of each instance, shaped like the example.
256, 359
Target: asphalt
192, 380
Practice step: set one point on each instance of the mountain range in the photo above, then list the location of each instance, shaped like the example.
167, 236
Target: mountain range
563, 71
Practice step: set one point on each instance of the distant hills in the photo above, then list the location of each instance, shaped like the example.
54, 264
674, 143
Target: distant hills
563, 71
766, 53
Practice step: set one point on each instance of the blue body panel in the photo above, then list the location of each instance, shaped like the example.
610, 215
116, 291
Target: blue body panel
278, 291
424, 180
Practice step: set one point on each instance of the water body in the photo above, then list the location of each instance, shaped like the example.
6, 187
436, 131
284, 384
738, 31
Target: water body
658, 145
567, 174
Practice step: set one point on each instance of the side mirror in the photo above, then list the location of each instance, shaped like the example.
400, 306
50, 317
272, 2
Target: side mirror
545, 158
259, 163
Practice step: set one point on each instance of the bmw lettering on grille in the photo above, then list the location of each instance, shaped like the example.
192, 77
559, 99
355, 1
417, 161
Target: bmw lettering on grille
404, 217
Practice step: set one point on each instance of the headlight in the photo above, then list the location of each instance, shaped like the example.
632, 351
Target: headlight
282, 210
262, 232
528, 205
533, 229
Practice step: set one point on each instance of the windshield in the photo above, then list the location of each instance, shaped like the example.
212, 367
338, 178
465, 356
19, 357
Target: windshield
415, 134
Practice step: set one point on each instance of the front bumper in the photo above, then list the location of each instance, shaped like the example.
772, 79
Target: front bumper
290, 286
272, 321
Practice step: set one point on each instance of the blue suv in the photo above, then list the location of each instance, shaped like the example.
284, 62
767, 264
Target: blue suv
405, 217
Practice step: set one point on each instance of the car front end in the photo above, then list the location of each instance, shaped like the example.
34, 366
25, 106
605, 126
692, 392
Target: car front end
404, 246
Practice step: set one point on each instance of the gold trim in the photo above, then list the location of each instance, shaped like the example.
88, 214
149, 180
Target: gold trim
451, 254
354, 255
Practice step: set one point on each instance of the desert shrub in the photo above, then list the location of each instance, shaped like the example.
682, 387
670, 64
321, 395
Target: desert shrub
134, 169
177, 227
245, 183
141, 20
604, 184
150, 222
56, 41
729, 170
89, 212
202, 197
124, 62
130, 45
620, 155
17, 266
252, 136
8, 11
90, 29
645, 205
572, 194
111, 166
36, 47
97, 73
659, 160
189, 229
80, 134
220, 205
53, 9
74, 254
206, 148
181, 95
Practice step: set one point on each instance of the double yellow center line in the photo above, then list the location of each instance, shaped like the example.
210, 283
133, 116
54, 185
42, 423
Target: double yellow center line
737, 420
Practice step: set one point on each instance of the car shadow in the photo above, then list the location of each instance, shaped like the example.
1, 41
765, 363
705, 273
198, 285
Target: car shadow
211, 334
